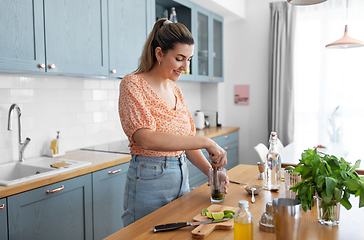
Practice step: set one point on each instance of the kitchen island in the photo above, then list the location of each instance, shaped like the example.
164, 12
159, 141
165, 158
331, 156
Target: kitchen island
186, 207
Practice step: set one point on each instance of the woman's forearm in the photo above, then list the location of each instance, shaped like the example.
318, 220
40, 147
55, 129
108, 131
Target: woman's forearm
160, 141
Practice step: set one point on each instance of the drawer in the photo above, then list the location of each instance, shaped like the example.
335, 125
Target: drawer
227, 138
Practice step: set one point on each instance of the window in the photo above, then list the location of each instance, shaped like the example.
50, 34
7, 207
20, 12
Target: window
329, 83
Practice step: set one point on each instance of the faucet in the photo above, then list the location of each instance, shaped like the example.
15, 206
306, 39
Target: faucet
22, 145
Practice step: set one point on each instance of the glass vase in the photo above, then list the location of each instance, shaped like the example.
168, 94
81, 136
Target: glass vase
328, 215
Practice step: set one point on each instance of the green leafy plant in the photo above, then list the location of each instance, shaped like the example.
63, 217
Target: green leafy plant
329, 178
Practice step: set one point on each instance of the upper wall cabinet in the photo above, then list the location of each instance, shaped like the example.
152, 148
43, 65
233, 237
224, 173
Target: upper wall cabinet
62, 37
209, 46
127, 33
207, 30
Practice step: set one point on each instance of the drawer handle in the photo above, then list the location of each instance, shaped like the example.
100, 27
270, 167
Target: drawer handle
42, 65
55, 190
211, 79
227, 148
116, 171
113, 71
52, 66
2, 207
227, 136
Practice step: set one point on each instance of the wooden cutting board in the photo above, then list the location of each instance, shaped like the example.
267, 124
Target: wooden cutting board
205, 229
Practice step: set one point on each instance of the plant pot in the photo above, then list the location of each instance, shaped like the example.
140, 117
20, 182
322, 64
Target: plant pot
328, 214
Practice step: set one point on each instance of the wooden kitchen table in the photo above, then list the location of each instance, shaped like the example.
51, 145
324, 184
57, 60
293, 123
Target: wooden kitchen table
186, 207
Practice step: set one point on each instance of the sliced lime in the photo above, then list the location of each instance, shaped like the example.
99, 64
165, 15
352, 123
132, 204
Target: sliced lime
209, 214
228, 211
229, 215
217, 215
204, 211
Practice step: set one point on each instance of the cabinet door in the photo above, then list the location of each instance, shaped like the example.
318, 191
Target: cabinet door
22, 35
65, 213
127, 34
108, 199
76, 36
3, 219
216, 38
203, 44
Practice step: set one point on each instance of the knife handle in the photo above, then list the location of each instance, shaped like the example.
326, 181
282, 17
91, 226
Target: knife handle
170, 226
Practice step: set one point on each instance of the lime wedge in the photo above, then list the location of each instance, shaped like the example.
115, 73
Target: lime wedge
204, 211
217, 215
209, 214
229, 215
228, 211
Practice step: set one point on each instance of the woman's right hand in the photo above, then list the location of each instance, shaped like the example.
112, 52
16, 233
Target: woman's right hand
217, 155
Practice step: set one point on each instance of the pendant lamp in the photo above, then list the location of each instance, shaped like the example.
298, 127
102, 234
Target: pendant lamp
305, 2
346, 41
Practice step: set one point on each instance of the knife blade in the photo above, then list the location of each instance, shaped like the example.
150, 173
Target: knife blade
177, 225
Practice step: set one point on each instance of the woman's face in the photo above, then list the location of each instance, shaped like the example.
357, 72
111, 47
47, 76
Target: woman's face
176, 61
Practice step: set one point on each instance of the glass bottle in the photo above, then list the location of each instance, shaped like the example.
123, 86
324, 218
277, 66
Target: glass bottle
173, 16
272, 165
243, 222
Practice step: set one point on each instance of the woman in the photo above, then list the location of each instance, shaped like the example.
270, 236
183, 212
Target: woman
159, 126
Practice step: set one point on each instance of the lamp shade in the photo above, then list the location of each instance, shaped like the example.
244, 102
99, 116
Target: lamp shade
346, 41
305, 2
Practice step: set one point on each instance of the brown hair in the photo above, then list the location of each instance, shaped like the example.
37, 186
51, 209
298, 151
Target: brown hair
165, 35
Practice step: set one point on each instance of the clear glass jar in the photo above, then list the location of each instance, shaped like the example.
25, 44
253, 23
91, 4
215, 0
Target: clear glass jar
243, 222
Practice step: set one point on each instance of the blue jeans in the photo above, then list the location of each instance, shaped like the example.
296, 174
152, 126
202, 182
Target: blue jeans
151, 183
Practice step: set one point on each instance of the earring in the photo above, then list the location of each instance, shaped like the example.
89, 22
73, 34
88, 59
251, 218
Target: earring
159, 63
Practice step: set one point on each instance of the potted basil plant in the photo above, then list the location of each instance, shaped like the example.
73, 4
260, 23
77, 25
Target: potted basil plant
328, 181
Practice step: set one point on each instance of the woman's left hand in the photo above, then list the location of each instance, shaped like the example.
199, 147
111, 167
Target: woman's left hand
226, 183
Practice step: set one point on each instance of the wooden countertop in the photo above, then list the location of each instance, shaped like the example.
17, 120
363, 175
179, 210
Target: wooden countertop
187, 206
99, 160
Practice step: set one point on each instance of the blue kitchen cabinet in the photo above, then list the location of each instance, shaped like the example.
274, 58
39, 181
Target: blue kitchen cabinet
76, 37
209, 46
207, 30
108, 199
61, 211
61, 37
185, 15
229, 142
128, 31
3, 219
22, 36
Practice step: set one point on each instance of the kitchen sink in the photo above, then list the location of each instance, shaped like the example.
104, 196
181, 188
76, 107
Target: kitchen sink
32, 168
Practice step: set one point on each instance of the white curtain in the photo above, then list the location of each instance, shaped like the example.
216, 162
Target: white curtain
281, 97
329, 83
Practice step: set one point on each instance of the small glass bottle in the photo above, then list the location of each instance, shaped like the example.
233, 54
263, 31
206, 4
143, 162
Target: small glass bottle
173, 16
272, 171
243, 222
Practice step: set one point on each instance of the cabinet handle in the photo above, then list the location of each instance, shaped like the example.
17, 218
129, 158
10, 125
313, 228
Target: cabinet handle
52, 66
42, 65
55, 190
2, 207
227, 136
113, 71
116, 171
211, 79
227, 148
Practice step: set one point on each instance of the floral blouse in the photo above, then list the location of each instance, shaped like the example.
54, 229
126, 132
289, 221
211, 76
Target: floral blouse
141, 107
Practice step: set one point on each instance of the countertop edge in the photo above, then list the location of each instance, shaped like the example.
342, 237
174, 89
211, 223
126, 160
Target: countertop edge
109, 160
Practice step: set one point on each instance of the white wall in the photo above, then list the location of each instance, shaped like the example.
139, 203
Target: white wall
84, 110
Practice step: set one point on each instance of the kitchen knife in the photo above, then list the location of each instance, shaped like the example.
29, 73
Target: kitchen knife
173, 226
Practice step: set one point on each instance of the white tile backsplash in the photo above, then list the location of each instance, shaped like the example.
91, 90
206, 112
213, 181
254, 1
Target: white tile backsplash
84, 110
